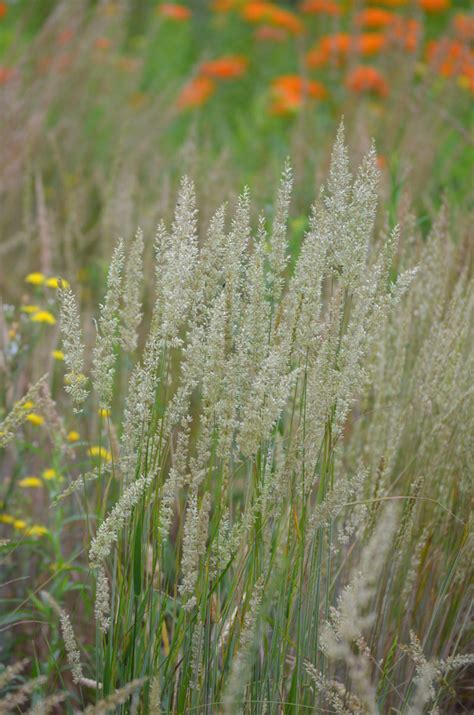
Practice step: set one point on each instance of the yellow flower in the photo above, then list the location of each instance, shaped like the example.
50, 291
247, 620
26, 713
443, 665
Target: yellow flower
30, 482
49, 474
73, 436
30, 309
36, 530
43, 316
57, 354
35, 279
100, 452
28, 405
35, 419
7, 519
19, 524
103, 412
54, 282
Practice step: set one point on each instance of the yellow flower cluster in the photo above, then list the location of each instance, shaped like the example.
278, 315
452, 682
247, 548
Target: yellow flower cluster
101, 452
38, 279
21, 525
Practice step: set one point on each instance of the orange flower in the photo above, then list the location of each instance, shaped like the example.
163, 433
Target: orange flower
464, 26
3, 9
196, 92
324, 7
225, 67
226, 5
375, 17
273, 34
405, 32
336, 48
270, 14
388, 3
6, 74
434, 5
369, 43
290, 92
451, 58
102, 43
173, 11
65, 36
367, 79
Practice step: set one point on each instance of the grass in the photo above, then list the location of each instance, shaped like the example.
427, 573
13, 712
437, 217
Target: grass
243, 483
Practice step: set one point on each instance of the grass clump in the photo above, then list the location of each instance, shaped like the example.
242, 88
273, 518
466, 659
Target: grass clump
277, 517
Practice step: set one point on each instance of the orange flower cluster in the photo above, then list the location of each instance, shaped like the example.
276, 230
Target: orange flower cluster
463, 25
228, 67
291, 91
269, 14
321, 7
3, 9
336, 48
198, 90
451, 58
173, 11
6, 74
375, 17
367, 79
434, 5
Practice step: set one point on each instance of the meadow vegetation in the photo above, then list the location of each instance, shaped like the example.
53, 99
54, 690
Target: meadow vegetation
236, 357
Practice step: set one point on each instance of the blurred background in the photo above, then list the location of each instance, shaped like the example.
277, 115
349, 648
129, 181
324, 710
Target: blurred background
105, 105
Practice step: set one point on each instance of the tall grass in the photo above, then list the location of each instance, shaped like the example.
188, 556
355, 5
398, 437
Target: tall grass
270, 510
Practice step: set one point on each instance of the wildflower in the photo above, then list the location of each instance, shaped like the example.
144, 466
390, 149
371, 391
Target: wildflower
7, 519
29, 309
35, 419
18, 414
173, 11
19, 524
44, 316
65, 36
56, 282
227, 67
323, 7
57, 354
374, 17
405, 32
434, 5
103, 412
36, 530
27, 405
290, 92
196, 92
49, 474
3, 9
101, 452
463, 25
370, 43
6, 74
449, 58
73, 436
35, 279
367, 79
30, 483
102, 43
270, 14
269, 33
389, 3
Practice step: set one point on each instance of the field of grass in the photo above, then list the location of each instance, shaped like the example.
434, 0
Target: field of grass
236, 357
